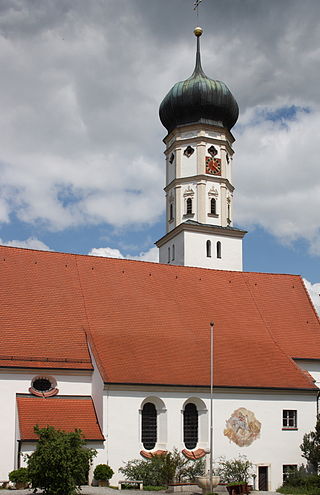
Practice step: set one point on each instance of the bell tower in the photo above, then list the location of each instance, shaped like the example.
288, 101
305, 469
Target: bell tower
198, 114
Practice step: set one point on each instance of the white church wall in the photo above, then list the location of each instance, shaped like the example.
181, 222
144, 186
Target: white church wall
273, 447
196, 254
189, 164
176, 246
97, 387
12, 383
171, 169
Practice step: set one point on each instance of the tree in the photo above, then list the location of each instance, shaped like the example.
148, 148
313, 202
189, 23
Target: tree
311, 446
60, 463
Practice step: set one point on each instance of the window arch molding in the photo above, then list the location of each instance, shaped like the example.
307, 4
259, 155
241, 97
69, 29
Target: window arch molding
202, 421
161, 422
213, 206
43, 386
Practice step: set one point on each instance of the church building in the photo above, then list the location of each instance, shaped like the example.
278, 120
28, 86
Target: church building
121, 349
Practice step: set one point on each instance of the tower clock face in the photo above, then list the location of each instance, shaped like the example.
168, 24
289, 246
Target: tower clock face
213, 165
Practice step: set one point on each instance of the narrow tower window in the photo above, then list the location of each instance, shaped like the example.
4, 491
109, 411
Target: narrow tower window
189, 206
218, 249
213, 206
190, 426
149, 426
173, 252
208, 245
168, 255
170, 212
171, 158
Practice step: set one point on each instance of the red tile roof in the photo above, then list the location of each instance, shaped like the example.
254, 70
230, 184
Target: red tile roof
63, 413
42, 311
149, 323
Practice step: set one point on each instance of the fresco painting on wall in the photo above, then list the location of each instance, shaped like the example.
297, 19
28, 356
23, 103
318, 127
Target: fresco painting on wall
242, 427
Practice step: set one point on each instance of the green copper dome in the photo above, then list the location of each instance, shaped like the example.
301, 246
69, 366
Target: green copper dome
199, 99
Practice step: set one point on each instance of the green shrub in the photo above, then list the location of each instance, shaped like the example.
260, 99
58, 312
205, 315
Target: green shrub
103, 472
164, 469
60, 463
235, 470
19, 476
300, 481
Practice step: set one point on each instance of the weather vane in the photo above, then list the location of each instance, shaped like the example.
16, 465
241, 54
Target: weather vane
196, 6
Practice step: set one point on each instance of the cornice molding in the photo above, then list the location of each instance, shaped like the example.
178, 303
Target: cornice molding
196, 127
198, 178
200, 228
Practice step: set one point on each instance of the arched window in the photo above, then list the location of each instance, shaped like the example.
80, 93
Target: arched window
208, 245
218, 249
149, 426
213, 206
173, 252
189, 206
190, 425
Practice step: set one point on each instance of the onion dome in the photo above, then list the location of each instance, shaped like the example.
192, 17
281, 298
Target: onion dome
199, 99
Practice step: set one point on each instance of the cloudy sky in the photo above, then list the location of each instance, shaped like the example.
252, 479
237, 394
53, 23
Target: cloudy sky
81, 152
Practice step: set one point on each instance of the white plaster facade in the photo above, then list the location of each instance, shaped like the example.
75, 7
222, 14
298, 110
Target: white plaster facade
18, 382
191, 248
186, 176
197, 199
119, 409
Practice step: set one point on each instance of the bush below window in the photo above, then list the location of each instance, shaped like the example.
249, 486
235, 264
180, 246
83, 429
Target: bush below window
301, 482
164, 469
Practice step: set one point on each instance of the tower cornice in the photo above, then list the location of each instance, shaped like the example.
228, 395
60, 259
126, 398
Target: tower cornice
195, 127
192, 226
198, 178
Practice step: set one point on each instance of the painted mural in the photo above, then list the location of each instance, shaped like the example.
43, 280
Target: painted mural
242, 427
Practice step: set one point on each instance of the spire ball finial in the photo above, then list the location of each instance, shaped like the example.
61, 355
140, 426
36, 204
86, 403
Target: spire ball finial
198, 31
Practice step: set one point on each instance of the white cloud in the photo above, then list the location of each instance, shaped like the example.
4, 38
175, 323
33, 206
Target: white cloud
80, 86
314, 292
277, 176
30, 243
151, 255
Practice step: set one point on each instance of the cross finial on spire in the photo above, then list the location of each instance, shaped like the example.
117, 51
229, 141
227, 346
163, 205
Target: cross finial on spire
196, 6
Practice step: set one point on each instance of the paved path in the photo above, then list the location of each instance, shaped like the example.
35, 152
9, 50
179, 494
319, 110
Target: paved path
97, 490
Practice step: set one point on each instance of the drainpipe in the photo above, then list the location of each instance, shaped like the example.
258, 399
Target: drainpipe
19, 454
318, 397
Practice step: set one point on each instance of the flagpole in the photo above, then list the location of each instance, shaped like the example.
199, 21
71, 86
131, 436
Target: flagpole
211, 404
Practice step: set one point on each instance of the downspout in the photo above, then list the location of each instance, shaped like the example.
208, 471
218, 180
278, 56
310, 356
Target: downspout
318, 397
19, 454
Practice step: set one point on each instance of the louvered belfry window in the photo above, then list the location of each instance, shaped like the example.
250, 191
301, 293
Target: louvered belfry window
190, 426
149, 426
